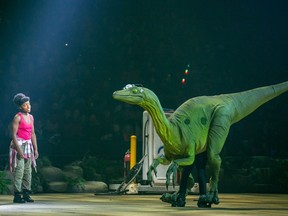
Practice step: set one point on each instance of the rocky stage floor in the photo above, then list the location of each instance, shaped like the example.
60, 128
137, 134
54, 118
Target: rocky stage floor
148, 205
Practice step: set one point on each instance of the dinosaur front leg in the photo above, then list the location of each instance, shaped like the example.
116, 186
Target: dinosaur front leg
175, 164
153, 166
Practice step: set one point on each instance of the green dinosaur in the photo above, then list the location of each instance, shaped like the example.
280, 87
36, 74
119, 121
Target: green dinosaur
199, 124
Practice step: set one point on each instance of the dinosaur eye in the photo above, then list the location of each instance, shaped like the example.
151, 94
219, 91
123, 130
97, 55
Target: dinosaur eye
135, 91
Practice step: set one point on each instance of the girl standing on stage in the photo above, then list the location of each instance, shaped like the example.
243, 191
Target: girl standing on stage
23, 149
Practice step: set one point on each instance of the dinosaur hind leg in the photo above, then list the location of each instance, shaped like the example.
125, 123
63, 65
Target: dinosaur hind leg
178, 199
218, 133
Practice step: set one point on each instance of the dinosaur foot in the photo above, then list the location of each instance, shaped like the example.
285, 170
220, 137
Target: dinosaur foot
202, 202
212, 197
180, 202
169, 197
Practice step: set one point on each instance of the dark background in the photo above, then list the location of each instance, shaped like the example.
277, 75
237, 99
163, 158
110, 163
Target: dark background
70, 55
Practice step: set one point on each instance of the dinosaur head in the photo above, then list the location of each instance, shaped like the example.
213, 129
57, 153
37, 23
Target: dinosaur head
132, 94
147, 99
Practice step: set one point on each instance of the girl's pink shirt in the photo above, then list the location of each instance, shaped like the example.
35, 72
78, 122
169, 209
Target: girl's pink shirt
25, 129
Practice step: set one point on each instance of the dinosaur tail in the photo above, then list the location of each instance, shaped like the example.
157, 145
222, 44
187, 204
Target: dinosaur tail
248, 101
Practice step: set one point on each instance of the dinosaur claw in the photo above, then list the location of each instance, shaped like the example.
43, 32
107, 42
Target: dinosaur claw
167, 185
172, 169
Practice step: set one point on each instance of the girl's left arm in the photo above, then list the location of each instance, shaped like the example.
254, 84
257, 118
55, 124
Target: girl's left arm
34, 142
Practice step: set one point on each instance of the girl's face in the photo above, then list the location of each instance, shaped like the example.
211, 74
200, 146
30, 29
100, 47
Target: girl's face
26, 107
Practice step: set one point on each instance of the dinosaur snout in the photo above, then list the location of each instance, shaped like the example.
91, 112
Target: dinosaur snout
114, 94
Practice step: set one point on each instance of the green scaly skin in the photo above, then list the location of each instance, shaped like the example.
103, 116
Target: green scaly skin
199, 124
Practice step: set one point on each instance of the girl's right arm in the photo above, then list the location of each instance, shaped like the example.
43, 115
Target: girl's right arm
15, 125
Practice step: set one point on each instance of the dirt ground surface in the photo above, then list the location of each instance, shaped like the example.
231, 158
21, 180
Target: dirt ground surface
148, 205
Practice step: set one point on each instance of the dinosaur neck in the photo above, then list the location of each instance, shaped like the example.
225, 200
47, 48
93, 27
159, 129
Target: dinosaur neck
161, 123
